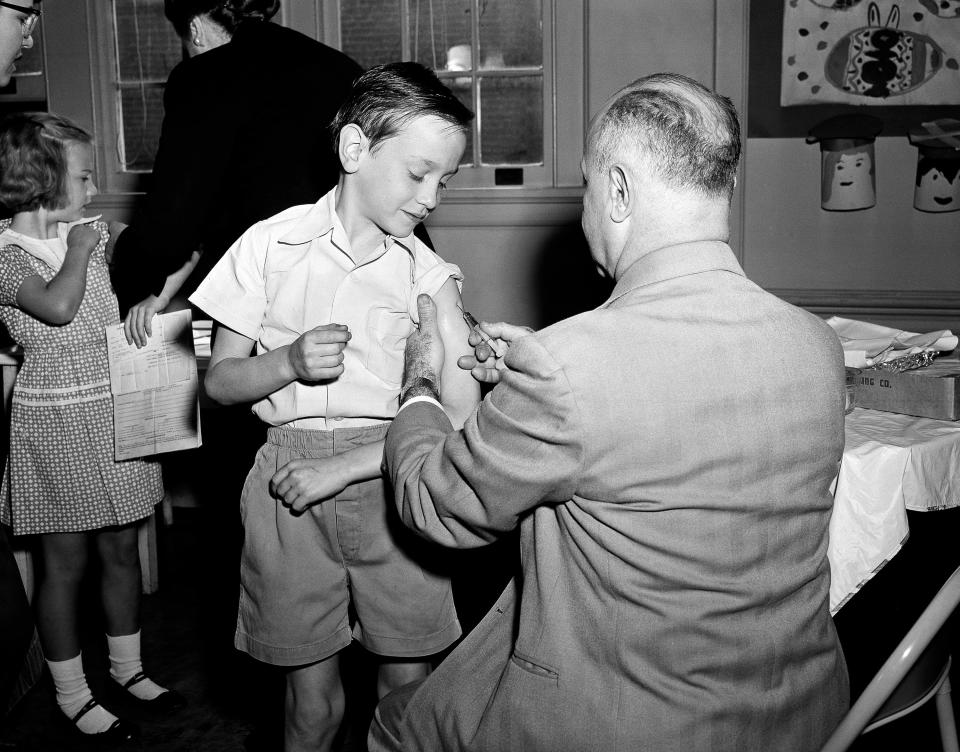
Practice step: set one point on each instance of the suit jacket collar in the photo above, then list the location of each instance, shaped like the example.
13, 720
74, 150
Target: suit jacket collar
675, 261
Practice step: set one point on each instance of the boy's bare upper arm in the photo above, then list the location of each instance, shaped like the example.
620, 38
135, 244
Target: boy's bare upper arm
459, 391
229, 344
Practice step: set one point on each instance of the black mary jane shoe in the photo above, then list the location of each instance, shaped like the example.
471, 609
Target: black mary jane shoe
167, 701
120, 731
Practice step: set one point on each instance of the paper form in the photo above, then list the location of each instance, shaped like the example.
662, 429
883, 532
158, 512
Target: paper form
155, 389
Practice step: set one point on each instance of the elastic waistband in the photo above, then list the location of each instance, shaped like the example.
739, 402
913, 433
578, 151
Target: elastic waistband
307, 439
331, 424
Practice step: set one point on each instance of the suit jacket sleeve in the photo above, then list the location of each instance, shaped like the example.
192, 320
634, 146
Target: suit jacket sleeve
196, 140
521, 448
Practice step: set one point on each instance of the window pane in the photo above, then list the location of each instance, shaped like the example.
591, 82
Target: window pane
147, 50
510, 34
142, 114
511, 125
370, 31
439, 33
463, 89
147, 45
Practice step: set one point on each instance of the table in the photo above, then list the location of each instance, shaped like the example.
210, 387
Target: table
891, 463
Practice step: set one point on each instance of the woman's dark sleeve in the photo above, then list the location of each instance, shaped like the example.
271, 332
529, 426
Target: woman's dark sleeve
196, 140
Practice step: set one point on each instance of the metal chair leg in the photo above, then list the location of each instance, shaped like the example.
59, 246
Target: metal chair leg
948, 727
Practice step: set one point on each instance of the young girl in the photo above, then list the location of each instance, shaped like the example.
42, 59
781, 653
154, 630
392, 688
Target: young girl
61, 480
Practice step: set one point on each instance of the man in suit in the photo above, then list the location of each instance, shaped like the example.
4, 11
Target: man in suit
668, 459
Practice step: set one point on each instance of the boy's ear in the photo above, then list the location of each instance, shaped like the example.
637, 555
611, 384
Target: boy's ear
351, 147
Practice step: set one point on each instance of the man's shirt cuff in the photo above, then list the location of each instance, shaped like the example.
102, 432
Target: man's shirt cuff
421, 398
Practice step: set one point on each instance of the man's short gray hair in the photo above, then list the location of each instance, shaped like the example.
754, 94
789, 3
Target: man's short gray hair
688, 135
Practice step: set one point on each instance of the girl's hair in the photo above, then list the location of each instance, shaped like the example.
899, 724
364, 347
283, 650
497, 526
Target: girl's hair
227, 13
33, 160
387, 97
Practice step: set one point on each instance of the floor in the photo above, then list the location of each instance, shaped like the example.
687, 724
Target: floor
187, 634
235, 703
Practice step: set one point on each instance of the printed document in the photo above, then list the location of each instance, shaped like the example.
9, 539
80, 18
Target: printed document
155, 389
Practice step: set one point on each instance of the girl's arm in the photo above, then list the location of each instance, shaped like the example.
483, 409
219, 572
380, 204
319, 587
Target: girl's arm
57, 301
138, 324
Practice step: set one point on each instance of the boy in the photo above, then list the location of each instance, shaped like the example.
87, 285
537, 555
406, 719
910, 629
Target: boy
327, 294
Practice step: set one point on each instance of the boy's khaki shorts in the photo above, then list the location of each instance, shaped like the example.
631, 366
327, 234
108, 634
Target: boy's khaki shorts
301, 574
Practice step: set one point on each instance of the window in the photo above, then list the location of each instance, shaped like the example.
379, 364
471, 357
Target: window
497, 57
489, 52
146, 49
506, 59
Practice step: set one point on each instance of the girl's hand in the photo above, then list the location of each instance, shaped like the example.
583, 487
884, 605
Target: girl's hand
138, 326
82, 238
302, 483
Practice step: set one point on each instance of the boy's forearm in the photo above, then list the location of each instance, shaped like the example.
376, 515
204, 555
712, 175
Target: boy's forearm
363, 462
235, 380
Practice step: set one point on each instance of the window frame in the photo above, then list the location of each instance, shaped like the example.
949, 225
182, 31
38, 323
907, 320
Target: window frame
564, 118
79, 86
105, 73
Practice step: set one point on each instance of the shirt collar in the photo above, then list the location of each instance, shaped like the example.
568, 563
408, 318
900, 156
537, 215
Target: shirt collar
322, 218
676, 261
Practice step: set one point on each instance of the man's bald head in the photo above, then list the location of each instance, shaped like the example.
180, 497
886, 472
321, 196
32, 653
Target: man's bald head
670, 126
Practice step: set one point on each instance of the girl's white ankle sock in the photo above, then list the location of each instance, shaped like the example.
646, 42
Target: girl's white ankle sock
73, 693
124, 652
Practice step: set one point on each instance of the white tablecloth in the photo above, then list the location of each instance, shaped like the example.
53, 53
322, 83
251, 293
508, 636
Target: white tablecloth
891, 463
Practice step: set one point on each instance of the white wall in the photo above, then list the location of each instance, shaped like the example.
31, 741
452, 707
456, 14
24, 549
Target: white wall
522, 252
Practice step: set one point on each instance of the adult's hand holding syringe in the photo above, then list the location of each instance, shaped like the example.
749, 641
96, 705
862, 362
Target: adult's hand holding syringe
490, 342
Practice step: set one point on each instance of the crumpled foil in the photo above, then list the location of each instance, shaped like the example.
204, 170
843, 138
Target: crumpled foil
907, 362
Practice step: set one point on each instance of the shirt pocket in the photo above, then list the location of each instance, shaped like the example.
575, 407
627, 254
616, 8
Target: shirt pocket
387, 333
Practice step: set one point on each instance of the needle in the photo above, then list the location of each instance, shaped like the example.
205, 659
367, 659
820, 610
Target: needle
475, 325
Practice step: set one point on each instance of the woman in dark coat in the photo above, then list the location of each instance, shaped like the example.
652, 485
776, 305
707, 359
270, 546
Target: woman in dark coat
244, 136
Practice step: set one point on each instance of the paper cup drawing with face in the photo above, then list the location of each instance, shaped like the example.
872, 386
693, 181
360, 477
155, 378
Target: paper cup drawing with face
847, 161
938, 165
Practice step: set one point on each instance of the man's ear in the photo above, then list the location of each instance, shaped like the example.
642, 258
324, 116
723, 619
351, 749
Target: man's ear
619, 192
351, 147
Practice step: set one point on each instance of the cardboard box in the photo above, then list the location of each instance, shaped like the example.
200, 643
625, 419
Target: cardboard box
929, 392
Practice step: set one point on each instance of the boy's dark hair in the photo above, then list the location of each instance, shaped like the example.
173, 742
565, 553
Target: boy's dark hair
33, 160
227, 13
387, 97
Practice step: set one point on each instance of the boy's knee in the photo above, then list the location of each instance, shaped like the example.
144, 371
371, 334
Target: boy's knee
311, 722
314, 707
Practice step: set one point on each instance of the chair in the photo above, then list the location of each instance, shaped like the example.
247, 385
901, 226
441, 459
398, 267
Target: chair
915, 672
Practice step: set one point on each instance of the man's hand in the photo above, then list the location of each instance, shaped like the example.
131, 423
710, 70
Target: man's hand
302, 483
483, 365
82, 238
317, 355
138, 326
423, 356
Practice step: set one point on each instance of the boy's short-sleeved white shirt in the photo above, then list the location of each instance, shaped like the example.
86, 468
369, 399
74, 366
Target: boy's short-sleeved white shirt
293, 272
